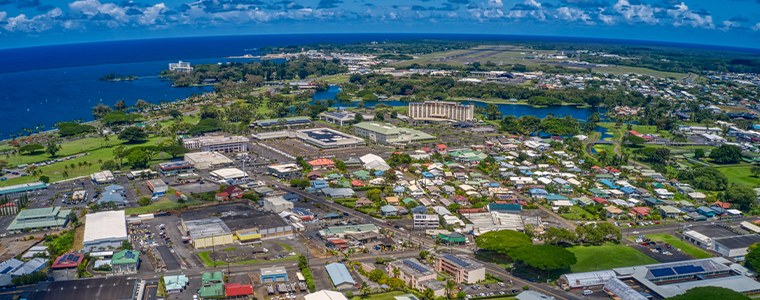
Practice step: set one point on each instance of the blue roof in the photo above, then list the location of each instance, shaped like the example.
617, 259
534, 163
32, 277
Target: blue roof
504, 206
608, 183
398, 189
388, 208
538, 191
427, 174
526, 172
627, 190
419, 209
114, 187
493, 184
339, 274
379, 173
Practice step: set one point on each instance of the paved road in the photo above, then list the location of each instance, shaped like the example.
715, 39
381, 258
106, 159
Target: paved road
168, 257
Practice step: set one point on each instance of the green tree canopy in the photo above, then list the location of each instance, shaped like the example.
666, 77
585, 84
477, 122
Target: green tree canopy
710, 292
30, 148
740, 195
726, 154
503, 241
133, 135
544, 257
705, 178
138, 159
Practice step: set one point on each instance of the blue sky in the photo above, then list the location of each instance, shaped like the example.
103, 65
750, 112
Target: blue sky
40, 22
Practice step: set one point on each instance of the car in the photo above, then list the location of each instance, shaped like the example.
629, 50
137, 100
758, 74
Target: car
515, 291
501, 293
459, 288
487, 286
266, 258
635, 232
644, 244
657, 222
587, 292
501, 284
531, 279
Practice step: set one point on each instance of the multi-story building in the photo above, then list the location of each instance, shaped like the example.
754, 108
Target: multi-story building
388, 134
181, 66
463, 268
422, 221
447, 110
217, 143
175, 167
411, 272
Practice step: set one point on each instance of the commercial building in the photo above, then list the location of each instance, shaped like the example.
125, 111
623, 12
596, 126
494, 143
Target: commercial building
342, 117
237, 290
15, 190
422, 221
721, 240
104, 230
374, 162
208, 160
181, 66
212, 285
340, 276
342, 231
277, 204
67, 260
463, 268
274, 274
217, 143
7, 268
411, 272
40, 219
284, 171
441, 110
325, 295
326, 138
494, 221
9, 208
208, 232
125, 262
175, 283
175, 167
228, 175
292, 121
103, 177
114, 287
384, 133
158, 187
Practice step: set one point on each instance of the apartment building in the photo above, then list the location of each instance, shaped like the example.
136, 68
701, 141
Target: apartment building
441, 110
422, 221
411, 272
464, 269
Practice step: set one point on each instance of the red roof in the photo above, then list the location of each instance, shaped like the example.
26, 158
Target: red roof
8, 204
426, 149
222, 194
471, 210
337, 241
440, 147
321, 162
640, 210
460, 198
596, 168
633, 132
723, 205
68, 260
357, 183
611, 169
600, 200
236, 289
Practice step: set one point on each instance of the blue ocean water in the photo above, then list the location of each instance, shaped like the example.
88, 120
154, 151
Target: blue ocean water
48, 84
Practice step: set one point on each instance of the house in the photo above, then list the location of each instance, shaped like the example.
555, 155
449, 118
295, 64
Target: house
233, 191
340, 276
363, 201
538, 193
322, 163
434, 191
314, 175
125, 262
613, 212
319, 184
601, 200
441, 148
392, 200
222, 196
706, 211
640, 211
389, 211
668, 211
598, 193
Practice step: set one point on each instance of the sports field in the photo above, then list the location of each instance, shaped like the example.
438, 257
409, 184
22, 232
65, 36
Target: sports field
595, 258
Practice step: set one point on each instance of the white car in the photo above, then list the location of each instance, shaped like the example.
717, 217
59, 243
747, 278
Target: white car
635, 232
587, 292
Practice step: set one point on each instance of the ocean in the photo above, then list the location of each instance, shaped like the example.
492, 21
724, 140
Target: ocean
48, 84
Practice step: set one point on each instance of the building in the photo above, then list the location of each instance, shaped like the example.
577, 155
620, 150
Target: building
30, 267
40, 219
181, 66
342, 231
228, 176
104, 230
274, 274
7, 268
98, 288
291, 121
384, 133
217, 143
67, 260
9, 208
158, 187
340, 277
212, 285
322, 163
441, 110
284, 171
125, 262
422, 221
237, 290
532, 295
326, 138
735, 246
175, 283
16, 190
325, 295
411, 272
277, 204
343, 117
103, 177
208, 160
207, 232
175, 167
463, 268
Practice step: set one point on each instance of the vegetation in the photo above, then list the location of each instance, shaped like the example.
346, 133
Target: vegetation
710, 292
726, 154
114, 77
705, 178
503, 241
544, 257
596, 258
29, 278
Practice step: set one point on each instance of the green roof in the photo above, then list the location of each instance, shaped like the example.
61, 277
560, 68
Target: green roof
212, 285
22, 187
334, 175
176, 282
454, 237
387, 129
407, 200
125, 257
40, 218
344, 183
361, 174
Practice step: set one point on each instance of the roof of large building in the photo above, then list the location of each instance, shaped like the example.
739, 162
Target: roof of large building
125, 257
288, 121
100, 288
575, 280
272, 271
228, 173
106, 225
67, 260
372, 161
462, 261
388, 129
325, 295
339, 274
738, 241
22, 187
40, 217
349, 229
175, 282
204, 160
412, 267
327, 138
175, 165
209, 227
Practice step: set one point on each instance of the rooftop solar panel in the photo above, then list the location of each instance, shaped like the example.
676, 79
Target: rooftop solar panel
129, 255
415, 266
688, 269
6, 270
456, 260
662, 272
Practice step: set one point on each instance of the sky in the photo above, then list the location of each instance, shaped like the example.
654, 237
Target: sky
734, 23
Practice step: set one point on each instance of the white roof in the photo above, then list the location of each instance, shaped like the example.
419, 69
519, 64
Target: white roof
325, 295
105, 225
371, 161
576, 280
229, 173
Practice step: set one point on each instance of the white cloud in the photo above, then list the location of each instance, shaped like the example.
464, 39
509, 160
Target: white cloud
495, 4
756, 27
3, 15
607, 19
37, 23
637, 13
574, 14
683, 16
452, 15
529, 8
729, 24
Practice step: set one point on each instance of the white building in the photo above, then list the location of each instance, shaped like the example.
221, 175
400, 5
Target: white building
222, 176
103, 230
181, 66
448, 110
208, 160
277, 204
325, 295
103, 177
217, 143
422, 221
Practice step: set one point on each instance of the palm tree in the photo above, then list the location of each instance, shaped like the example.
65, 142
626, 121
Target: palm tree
65, 174
450, 284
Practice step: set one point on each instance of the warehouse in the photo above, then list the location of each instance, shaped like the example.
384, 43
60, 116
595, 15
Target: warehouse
277, 204
340, 276
40, 218
208, 160
274, 274
735, 246
14, 190
342, 231
389, 134
158, 187
175, 167
284, 171
343, 117
225, 176
326, 138
291, 121
104, 229
103, 177
207, 232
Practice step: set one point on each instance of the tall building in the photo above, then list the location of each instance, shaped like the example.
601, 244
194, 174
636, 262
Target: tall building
181, 66
448, 110
463, 268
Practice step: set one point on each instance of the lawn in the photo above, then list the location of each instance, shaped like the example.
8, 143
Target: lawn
163, 204
594, 258
383, 296
740, 175
229, 249
208, 262
185, 119
337, 79
287, 247
678, 243
575, 213
642, 71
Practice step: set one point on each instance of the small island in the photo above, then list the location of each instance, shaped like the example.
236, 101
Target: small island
119, 77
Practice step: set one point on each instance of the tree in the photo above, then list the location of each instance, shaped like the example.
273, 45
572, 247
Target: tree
100, 111
175, 150
174, 113
52, 148
138, 159
120, 106
503, 241
141, 104
303, 262
660, 155
428, 294
699, 153
133, 135
30, 148
598, 232
739, 195
126, 245
529, 229
634, 140
45, 179
374, 195
144, 201
349, 294
544, 257
726, 154
376, 275
755, 170
358, 118
339, 164
710, 292
492, 111
530, 123
752, 259
556, 236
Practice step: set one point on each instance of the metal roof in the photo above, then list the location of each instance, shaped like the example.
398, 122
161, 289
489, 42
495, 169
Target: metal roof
339, 274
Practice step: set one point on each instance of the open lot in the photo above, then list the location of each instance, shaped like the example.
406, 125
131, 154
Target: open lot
594, 258
685, 247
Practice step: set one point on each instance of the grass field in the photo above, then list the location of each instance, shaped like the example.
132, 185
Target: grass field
642, 71
163, 204
575, 213
336, 79
740, 175
594, 258
383, 296
208, 262
185, 119
287, 247
678, 243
